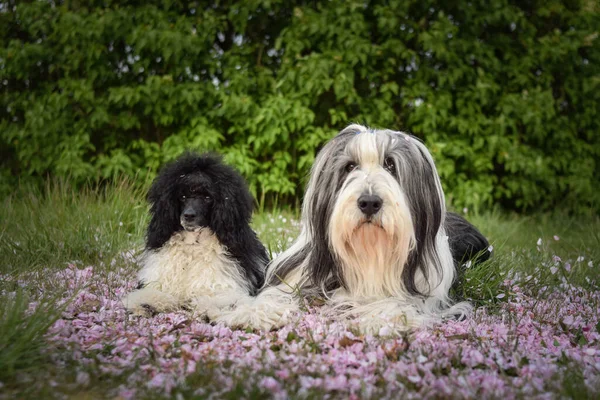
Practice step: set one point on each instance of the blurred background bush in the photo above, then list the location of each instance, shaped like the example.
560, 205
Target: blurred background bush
506, 94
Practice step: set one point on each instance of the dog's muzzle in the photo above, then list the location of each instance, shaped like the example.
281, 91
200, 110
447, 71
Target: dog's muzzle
189, 215
190, 218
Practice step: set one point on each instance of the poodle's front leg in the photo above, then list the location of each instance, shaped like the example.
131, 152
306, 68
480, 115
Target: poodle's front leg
148, 300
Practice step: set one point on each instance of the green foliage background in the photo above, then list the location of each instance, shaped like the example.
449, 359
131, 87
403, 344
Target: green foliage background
506, 94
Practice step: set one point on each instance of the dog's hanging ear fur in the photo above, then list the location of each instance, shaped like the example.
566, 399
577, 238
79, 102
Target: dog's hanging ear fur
232, 208
425, 197
164, 208
325, 272
230, 219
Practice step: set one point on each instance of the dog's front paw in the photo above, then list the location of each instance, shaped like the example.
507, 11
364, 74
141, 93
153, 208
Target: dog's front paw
254, 316
147, 302
242, 318
383, 319
380, 325
143, 310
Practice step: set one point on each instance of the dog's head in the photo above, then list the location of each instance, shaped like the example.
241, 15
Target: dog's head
195, 192
375, 201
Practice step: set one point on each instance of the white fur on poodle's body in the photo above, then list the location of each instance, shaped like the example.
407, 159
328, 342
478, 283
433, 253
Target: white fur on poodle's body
193, 270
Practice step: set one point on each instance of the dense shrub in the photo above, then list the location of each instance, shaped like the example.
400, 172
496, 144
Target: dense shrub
505, 93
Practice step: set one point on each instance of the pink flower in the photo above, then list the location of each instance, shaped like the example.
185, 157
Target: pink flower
127, 393
338, 383
568, 320
282, 374
83, 378
473, 357
270, 383
568, 267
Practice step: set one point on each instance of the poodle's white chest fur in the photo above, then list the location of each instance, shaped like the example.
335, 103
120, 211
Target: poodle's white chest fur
192, 265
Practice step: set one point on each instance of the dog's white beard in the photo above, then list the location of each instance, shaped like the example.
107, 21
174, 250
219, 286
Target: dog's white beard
372, 254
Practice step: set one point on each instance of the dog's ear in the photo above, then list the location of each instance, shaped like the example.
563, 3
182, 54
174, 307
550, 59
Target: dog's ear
164, 208
232, 208
426, 200
230, 221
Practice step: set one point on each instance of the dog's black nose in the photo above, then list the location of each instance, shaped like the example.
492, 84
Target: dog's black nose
189, 214
369, 204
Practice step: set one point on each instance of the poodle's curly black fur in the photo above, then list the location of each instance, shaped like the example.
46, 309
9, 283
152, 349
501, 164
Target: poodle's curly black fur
231, 206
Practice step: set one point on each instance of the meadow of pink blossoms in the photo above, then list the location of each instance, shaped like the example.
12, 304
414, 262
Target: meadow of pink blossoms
526, 348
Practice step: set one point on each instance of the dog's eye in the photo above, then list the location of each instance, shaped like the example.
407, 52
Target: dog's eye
207, 198
389, 165
183, 197
350, 167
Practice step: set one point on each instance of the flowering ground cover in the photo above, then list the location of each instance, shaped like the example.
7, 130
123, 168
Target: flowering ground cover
64, 332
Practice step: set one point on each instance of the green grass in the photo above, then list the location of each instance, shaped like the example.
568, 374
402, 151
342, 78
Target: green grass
49, 228
575, 241
517, 232
46, 230
21, 333
277, 229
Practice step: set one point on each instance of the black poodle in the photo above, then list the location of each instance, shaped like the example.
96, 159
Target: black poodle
200, 250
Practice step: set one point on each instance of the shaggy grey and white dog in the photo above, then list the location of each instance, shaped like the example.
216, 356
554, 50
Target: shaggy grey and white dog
200, 250
375, 239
